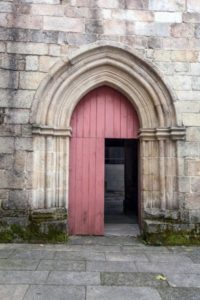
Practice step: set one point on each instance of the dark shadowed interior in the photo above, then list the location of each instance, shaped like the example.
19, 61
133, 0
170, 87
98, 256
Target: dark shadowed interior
121, 181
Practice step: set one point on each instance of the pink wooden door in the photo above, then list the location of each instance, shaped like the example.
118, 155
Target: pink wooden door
102, 113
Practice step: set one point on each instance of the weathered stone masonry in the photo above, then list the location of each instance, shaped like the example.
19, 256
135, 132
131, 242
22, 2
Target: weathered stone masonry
39, 51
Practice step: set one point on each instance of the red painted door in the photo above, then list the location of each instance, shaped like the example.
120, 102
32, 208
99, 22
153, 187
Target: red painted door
102, 113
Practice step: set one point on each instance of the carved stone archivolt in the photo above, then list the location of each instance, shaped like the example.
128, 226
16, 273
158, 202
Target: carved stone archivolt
67, 82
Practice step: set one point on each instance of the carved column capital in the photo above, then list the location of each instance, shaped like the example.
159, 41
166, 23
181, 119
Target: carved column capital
51, 131
174, 133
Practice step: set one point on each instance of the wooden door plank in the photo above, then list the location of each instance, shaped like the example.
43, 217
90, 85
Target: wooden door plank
100, 114
130, 122
72, 186
99, 211
109, 132
86, 115
79, 185
92, 185
80, 120
93, 116
117, 115
123, 118
84, 192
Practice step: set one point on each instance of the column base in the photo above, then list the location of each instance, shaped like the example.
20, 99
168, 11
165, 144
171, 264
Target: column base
38, 226
171, 233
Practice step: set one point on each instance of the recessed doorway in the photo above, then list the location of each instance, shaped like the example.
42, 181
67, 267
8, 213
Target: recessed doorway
121, 187
104, 114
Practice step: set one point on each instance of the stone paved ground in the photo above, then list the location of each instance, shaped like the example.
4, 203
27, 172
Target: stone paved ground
99, 268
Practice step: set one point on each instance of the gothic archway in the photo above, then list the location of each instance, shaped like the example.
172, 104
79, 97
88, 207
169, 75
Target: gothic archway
67, 82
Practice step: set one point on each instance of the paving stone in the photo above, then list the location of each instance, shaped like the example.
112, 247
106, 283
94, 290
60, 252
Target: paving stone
55, 292
195, 257
34, 254
4, 253
12, 292
18, 264
94, 248
130, 249
131, 279
77, 240
126, 257
61, 265
170, 258
88, 255
135, 279
119, 293
179, 293
184, 279
163, 267
74, 278
111, 266
122, 229
23, 277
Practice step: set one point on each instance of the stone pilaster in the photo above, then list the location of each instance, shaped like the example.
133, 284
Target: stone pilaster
50, 168
159, 172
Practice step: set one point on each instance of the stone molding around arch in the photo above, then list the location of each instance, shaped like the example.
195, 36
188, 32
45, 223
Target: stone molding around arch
115, 65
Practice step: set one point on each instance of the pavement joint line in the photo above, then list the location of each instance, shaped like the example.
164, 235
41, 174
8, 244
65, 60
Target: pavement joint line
86, 292
38, 264
28, 288
49, 272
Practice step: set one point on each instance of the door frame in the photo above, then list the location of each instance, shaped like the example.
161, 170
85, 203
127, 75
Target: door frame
139, 205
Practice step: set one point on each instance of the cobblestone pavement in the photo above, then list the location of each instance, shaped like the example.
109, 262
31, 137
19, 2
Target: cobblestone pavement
99, 268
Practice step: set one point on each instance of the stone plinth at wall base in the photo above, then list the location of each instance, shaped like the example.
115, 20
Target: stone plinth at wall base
47, 225
171, 233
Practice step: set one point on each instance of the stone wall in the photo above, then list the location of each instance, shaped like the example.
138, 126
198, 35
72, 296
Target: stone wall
34, 34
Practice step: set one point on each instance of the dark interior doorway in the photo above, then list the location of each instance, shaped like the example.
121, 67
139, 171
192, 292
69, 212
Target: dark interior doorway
121, 181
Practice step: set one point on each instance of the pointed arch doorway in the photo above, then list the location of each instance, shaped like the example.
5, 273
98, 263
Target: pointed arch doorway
160, 134
103, 117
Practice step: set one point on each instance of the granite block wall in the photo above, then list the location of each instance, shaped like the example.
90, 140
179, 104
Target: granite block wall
35, 34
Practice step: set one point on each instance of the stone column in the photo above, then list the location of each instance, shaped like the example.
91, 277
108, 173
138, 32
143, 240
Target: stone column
159, 169
50, 167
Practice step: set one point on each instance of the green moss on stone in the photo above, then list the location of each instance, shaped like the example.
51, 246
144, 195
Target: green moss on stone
6, 236
32, 233
170, 238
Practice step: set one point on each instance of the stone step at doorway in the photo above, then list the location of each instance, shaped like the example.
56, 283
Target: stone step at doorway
131, 230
